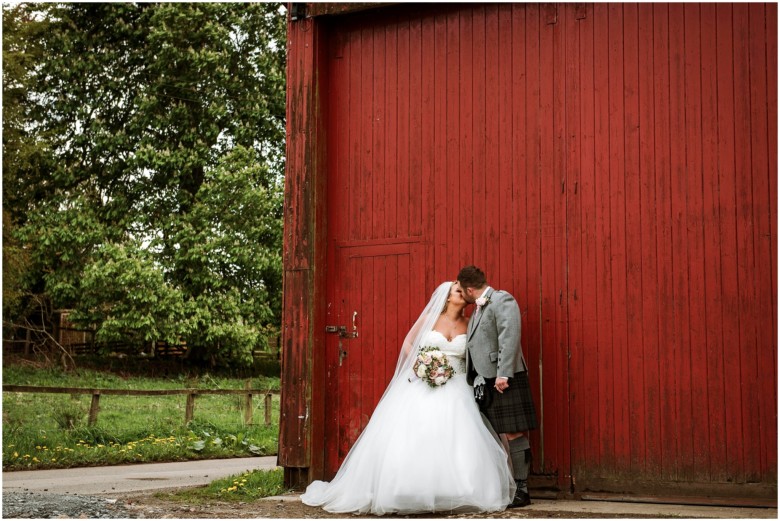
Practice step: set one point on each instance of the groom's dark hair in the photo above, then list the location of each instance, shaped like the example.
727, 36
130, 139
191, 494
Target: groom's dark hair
472, 277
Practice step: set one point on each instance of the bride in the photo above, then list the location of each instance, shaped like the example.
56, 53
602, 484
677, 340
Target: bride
426, 447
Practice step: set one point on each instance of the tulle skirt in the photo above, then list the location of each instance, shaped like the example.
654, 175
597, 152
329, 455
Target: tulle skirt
424, 450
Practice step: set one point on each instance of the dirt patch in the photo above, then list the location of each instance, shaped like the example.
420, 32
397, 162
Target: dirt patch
149, 506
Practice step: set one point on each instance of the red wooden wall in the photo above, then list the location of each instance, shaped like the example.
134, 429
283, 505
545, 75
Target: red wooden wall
613, 166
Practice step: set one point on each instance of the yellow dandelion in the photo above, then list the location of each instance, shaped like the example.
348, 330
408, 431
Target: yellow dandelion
16, 454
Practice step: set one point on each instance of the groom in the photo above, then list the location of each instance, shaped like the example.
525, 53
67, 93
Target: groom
498, 372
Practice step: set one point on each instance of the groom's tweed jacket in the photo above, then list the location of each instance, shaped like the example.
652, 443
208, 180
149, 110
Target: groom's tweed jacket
494, 350
494, 337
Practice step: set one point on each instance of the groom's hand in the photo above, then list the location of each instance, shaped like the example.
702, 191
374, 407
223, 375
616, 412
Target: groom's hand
501, 384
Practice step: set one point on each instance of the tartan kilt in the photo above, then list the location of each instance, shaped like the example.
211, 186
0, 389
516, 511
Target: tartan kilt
513, 410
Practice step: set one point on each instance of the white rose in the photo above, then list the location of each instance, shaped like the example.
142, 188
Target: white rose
421, 371
440, 380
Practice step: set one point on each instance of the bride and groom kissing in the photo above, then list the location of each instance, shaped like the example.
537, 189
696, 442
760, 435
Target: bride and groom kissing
450, 431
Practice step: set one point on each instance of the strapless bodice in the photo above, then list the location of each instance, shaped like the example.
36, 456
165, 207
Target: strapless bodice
455, 349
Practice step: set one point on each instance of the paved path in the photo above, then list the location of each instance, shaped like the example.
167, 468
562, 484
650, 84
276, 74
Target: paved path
121, 479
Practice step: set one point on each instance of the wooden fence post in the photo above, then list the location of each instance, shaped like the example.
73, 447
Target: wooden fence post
268, 404
190, 409
248, 404
94, 408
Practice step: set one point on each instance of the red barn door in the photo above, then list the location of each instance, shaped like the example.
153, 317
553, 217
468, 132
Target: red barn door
614, 167
376, 273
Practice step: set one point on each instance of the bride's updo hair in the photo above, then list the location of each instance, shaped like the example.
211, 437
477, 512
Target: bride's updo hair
447, 302
472, 277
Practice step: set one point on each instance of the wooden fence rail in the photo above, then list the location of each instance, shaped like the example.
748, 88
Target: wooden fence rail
190, 393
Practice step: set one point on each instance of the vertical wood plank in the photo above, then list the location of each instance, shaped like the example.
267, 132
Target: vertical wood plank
681, 330
636, 403
746, 261
506, 275
408, 114
558, 242
302, 218
606, 389
649, 204
617, 215
428, 139
377, 212
491, 109
379, 305
771, 58
395, 325
361, 348
365, 180
394, 119
478, 250
763, 270
574, 103
712, 246
663, 189
728, 232
452, 183
699, 443
466, 171
441, 222
550, 189
588, 359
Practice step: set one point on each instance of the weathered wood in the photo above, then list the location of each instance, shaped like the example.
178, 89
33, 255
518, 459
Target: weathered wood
268, 408
94, 408
127, 392
248, 404
303, 248
341, 8
189, 411
191, 394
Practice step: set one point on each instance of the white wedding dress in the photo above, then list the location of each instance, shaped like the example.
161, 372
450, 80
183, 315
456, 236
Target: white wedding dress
425, 449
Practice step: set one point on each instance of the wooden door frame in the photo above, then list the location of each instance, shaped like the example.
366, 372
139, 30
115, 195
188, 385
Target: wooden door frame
301, 436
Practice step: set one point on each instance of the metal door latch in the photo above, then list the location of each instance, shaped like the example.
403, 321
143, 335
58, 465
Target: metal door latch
342, 330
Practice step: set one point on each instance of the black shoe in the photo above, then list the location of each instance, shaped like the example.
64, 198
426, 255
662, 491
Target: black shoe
522, 499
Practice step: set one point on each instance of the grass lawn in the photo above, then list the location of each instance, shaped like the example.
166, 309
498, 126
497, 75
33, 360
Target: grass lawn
50, 430
243, 487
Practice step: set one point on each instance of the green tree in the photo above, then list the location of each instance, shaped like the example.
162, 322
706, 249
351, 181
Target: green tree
148, 192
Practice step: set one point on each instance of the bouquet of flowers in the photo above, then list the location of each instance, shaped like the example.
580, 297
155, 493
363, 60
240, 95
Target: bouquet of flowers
432, 366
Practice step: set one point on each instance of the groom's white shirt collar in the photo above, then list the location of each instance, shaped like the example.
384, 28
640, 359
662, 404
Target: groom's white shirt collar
484, 291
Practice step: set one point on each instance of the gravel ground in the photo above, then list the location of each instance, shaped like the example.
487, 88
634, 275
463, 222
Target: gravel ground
59, 506
152, 506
